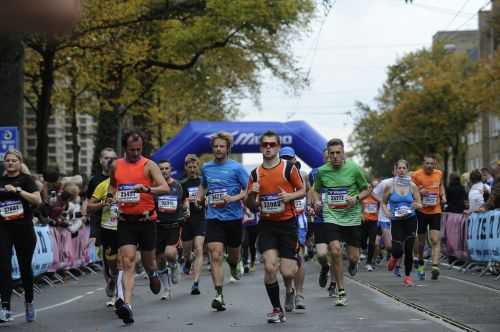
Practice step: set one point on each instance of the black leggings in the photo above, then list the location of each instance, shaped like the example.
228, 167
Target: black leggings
404, 231
369, 232
23, 237
249, 242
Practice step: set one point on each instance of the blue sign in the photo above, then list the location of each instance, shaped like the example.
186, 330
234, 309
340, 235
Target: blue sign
483, 236
9, 139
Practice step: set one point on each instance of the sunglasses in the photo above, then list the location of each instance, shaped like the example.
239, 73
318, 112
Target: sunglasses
268, 144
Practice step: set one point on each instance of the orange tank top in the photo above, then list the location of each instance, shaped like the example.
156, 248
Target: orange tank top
127, 175
431, 201
370, 208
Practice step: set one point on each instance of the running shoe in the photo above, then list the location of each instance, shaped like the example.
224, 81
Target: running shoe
218, 303
276, 316
119, 302
299, 303
246, 268
341, 300
408, 281
236, 272
435, 273
391, 264
323, 276
174, 273
421, 272
5, 316
30, 312
332, 289
289, 300
353, 269
110, 287
155, 283
253, 267
397, 271
125, 314
195, 289
111, 302
167, 294
369, 268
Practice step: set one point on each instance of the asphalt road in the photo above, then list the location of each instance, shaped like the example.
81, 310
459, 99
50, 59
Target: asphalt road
79, 306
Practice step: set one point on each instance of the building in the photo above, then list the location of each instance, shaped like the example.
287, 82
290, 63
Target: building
60, 150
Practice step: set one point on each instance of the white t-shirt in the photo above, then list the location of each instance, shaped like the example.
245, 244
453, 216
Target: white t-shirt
476, 198
378, 192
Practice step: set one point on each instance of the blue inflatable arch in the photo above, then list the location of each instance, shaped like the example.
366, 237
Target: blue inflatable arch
195, 138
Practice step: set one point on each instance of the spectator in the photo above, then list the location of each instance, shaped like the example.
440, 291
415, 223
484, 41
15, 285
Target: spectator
494, 200
477, 191
456, 195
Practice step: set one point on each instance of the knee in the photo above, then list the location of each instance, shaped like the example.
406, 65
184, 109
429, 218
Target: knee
271, 267
336, 250
198, 252
128, 262
216, 255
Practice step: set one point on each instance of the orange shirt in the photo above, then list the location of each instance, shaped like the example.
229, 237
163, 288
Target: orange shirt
370, 208
431, 201
272, 181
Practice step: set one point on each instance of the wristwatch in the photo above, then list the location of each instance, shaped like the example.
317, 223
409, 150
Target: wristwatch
18, 190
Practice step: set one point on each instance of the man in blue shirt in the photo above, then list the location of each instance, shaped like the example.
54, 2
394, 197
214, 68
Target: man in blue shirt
223, 186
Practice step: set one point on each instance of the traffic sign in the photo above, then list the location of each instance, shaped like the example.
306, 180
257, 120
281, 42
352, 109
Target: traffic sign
9, 139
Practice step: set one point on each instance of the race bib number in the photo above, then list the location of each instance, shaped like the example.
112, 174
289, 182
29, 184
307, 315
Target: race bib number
192, 194
402, 211
300, 205
11, 210
127, 194
216, 198
371, 208
167, 203
272, 204
336, 198
430, 199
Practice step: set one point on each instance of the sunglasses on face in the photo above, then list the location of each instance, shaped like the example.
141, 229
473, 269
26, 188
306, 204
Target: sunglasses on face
268, 144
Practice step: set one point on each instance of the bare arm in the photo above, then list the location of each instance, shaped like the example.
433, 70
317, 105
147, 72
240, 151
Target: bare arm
416, 194
160, 184
385, 201
94, 205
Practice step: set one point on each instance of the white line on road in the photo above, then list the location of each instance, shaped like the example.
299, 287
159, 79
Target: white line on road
491, 289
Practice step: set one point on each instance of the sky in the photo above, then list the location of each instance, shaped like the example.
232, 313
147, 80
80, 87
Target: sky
346, 55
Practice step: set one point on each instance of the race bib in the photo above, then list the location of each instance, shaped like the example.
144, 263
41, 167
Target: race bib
216, 198
402, 211
272, 204
300, 205
167, 203
192, 194
336, 198
430, 199
371, 208
11, 210
127, 194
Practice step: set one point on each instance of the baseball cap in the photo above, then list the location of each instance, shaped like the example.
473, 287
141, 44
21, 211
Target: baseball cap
287, 151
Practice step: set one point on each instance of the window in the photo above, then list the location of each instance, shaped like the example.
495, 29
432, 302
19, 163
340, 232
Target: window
495, 126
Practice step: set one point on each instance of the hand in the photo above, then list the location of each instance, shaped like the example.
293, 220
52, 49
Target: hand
10, 188
284, 196
255, 187
318, 206
310, 211
141, 188
228, 199
187, 213
417, 205
387, 212
351, 201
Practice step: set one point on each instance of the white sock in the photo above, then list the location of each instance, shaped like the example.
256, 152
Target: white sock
119, 285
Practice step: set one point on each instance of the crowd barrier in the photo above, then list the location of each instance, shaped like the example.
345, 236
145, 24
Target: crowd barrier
56, 250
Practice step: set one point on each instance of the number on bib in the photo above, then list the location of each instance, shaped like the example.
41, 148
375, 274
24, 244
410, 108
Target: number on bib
337, 198
216, 198
272, 204
11, 210
429, 199
167, 203
127, 194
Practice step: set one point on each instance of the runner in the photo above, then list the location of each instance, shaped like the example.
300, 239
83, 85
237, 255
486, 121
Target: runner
225, 181
404, 198
250, 222
275, 185
193, 232
429, 181
172, 208
134, 180
297, 302
370, 207
19, 194
322, 253
108, 210
344, 185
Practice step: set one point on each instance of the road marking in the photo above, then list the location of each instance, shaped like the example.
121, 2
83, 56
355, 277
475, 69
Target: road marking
76, 298
472, 284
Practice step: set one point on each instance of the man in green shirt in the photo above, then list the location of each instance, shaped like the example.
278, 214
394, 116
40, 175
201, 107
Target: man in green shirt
338, 188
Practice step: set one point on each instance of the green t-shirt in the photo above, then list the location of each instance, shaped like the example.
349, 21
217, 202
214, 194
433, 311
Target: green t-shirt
334, 185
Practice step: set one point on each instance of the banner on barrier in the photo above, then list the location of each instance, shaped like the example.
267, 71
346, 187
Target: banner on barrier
453, 235
483, 236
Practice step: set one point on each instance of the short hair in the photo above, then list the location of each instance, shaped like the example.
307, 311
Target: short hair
403, 161
270, 133
191, 158
334, 142
223, 136
15, 153
454, 179
106, 149
475, 176
429, 156
485, 169
134, 134
164, 161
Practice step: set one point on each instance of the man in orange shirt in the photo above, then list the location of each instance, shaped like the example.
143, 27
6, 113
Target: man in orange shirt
429, 181
274, 186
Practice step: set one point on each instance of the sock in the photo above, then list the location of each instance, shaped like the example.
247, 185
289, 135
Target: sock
273, 291
196, 284
119, 285
435, 267
218, 290
164, 277
340, 290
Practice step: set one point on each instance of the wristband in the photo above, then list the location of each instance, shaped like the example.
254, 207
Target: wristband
148, 189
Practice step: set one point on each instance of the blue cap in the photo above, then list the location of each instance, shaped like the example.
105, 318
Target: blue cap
287, 151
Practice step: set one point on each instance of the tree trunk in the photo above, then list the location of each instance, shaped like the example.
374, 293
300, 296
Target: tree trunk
446, 158
44, 110
74, 134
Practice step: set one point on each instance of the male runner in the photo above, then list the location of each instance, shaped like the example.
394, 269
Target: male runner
134, 180
225, 181
193, 232
171, 207
429, 181
275, 185
344, 185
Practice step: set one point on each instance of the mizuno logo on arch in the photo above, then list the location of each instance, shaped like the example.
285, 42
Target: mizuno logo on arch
252, 139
